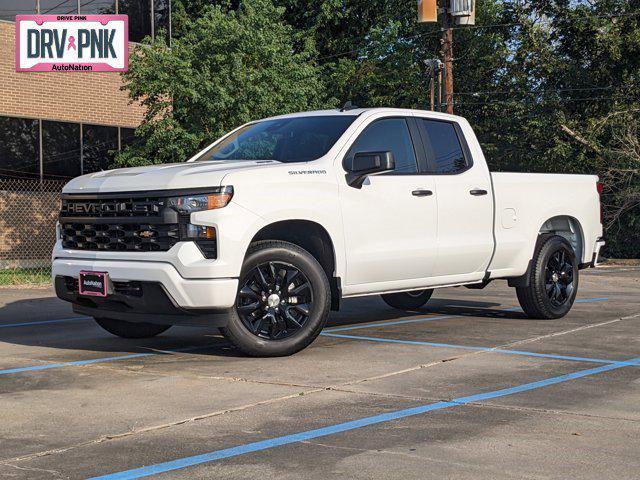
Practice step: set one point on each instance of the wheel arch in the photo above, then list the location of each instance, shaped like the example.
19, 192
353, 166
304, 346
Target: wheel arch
567, 227
315, 239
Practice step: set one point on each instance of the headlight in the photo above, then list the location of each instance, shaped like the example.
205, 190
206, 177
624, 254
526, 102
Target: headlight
204, 201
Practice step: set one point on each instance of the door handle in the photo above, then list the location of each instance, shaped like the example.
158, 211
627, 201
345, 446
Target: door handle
421, 193
477, 192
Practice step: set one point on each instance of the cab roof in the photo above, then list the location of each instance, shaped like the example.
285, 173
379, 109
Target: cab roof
354, 112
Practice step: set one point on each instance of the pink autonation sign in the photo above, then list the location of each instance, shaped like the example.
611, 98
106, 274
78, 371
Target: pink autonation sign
72, 43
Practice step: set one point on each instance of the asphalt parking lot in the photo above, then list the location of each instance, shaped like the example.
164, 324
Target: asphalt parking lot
466, 388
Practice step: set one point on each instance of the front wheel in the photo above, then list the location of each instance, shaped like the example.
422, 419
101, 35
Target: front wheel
283, 300
408, 300
553, 280
124, 329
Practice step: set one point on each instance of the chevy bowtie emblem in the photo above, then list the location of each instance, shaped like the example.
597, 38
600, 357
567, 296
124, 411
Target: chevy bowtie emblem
146, 233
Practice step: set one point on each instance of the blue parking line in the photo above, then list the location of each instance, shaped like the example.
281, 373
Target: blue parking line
326, 332
589, 300
431, 319
42, 322
468, 347
351, 425
392, 322
47, 366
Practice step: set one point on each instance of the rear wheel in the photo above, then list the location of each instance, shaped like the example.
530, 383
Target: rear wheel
283, 300
553, 280
124, 329
408, 300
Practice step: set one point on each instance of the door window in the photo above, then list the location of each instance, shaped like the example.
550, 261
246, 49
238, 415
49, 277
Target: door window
389, 134
443, 147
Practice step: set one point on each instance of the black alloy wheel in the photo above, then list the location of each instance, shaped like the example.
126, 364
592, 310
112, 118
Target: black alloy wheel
275, 300
552, 279
559, 278
283, 300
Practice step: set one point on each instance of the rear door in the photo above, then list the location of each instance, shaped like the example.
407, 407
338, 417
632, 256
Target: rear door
389, 223
465, 202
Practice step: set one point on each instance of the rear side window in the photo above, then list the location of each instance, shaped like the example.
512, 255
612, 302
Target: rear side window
442, 146
389, 134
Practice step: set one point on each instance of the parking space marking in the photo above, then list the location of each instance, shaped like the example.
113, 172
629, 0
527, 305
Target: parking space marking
48, 366
351, 425
431, 319
42, 322
469, 347
325, 332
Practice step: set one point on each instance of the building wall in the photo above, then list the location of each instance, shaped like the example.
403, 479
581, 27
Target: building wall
86, 97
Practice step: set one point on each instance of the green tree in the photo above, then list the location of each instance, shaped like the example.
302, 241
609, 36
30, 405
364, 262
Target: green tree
572, 92
228, 67
548, 85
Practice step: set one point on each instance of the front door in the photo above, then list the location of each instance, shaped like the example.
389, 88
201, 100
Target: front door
389, 223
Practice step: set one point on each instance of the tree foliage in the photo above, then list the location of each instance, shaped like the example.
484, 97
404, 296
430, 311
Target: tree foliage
549, 85
228, 67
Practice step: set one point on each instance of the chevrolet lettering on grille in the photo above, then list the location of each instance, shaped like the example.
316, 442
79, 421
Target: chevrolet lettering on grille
81, 208
111, 208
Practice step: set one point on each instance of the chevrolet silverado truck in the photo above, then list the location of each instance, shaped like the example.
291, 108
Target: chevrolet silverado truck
266, 230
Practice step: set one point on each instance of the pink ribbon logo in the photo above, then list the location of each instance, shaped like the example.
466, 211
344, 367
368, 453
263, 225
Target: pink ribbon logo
72, 43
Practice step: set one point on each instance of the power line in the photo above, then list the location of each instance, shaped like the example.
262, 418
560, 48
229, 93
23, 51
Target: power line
56, 6
475, 27
538, 91
546, 22
520, 101
356, 50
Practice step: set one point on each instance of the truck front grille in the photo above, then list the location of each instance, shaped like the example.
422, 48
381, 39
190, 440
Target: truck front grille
120, 236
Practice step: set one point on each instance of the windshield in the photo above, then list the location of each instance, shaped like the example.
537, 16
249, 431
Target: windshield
297, 139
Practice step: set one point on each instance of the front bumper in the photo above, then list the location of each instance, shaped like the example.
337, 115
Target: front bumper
189, 296
146, 302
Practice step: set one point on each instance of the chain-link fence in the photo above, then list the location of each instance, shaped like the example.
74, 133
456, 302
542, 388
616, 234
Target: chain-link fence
28, 214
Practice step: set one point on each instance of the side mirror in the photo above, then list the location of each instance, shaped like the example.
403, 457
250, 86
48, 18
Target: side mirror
362, 164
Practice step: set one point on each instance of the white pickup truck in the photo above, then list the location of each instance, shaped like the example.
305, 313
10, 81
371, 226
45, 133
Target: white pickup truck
270, 227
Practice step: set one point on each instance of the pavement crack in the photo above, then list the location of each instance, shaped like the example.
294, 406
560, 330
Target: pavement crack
572, 330
546, 410
152, 428
417, 456
56, 473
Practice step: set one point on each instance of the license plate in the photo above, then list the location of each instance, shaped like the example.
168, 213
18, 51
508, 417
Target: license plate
95, 284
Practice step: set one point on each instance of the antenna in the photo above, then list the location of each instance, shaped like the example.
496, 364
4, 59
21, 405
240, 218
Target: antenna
348, 106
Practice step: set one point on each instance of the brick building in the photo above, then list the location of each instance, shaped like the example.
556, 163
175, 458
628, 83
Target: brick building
58, 125
55, 126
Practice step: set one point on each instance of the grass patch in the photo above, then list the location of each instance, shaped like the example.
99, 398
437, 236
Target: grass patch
25, 276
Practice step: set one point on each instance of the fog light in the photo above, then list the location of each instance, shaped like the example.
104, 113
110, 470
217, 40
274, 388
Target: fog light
201, 232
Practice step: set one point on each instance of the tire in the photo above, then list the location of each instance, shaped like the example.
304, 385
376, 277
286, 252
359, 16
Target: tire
269, 319
408, 300
553, 279
124, 329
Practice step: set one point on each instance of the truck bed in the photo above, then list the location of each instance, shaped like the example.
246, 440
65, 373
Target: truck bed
525, 201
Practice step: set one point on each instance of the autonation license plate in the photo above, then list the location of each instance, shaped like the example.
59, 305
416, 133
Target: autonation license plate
95, 284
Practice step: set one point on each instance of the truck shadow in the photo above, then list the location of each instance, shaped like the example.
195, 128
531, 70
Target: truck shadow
83, 334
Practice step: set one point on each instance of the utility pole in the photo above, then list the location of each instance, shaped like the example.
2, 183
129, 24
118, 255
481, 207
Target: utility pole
447, 53
450, 13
